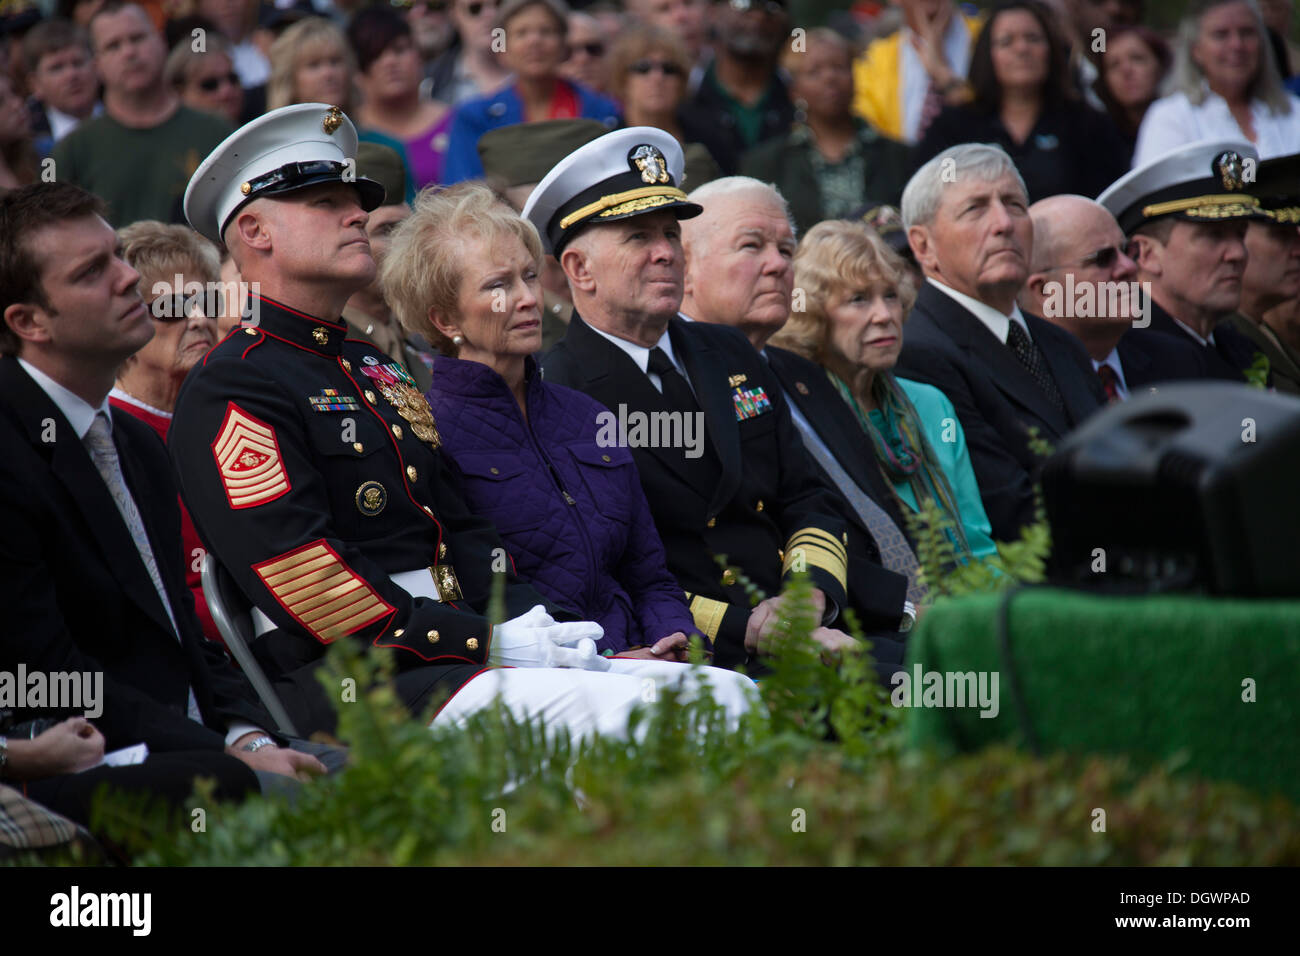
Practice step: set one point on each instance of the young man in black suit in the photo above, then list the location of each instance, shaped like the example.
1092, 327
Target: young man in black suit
743, 487
967, 217
1083, 281
91, 577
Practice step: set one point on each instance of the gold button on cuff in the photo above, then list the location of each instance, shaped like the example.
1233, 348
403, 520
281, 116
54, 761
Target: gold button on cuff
358, 447
370, 396
434, 637
759, 506
605, 458
397, 431
412, 473
711, 522
399, 632
728, 577
495, 471
472, 644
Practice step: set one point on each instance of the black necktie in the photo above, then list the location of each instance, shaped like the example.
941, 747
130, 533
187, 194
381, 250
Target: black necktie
678, 397
677, 393
1032, 359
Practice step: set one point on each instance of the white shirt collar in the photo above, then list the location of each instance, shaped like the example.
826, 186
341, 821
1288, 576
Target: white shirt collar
993, 320
639, 353
79, 413
1194, 334
1117, 367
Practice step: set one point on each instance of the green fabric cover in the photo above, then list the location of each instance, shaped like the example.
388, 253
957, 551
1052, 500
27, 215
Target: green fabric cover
1148, 677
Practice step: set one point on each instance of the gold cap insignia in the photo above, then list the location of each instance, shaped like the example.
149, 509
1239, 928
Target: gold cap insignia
1231, 169
320, 335
246, 188
734, 380
333, 120
371, 498
650, 163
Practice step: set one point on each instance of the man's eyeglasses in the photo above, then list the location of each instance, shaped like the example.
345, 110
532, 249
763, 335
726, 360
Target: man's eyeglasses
210, 84
644, 67
774, 7
594, 49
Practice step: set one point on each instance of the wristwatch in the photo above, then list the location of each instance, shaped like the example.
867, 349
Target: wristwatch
257, 743
908, 619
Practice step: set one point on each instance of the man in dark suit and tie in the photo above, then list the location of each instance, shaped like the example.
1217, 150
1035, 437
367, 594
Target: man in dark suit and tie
1186, 214
967, 218
91, 577
742, 486
1082, 280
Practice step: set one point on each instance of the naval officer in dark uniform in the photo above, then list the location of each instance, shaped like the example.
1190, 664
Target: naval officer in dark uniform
311, 465
741, 486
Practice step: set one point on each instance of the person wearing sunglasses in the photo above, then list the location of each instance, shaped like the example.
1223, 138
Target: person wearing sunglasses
206, 80
742, 94
185, 327
1078, 245
588, 45
535, 36
649, 67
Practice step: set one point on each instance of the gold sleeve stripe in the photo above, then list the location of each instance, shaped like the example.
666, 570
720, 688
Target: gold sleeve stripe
708, 615
816, 537
320, 592
248, 460
801, 557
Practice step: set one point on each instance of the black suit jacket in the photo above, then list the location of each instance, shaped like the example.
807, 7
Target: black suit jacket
75, 592
1228, 358
768, 492
996, 398
1149, 360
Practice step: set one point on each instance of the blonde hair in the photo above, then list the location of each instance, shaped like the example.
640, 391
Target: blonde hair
835, 256
423, 268
159, 251
176, 70
1188, 78
292, 47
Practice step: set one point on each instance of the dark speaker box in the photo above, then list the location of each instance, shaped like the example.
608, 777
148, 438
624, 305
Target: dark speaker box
1195, 487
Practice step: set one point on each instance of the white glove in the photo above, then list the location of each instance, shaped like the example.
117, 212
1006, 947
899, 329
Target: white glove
536, 640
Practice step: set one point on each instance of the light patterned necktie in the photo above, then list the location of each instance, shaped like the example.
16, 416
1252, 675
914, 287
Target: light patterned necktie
99, 442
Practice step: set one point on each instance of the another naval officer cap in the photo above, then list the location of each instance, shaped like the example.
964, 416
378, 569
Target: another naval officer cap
622, 174
287, 149
1209, 181
1278, 188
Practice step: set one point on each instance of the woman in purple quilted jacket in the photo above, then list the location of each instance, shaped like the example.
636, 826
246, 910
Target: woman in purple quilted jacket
463, 270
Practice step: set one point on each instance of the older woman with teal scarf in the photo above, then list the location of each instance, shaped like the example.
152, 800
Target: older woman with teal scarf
856, 296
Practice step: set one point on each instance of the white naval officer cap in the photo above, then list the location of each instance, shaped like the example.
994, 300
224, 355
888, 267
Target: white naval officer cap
1206, 181
287, 149
619, 175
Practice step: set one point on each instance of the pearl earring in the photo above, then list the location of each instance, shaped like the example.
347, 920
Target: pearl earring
458, 340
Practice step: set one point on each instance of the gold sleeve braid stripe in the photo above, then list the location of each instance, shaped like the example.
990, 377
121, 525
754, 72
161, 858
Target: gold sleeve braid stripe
248, 459
708, 615
813, 547
321, 592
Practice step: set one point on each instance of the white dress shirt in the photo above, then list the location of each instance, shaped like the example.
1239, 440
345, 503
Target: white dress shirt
996, 322
1174, 121
641, 355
